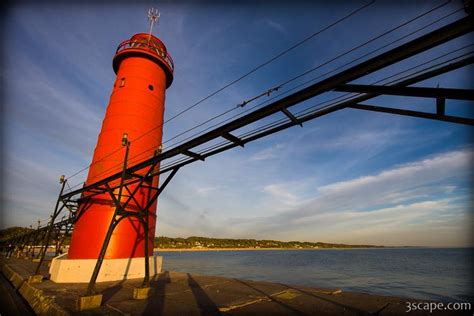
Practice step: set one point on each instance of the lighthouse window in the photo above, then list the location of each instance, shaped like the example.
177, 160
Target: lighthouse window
150, 87
122, 82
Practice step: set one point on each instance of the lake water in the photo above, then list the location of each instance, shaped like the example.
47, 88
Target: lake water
423, 273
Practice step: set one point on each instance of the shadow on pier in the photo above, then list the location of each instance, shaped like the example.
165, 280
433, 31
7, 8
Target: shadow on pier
175, 293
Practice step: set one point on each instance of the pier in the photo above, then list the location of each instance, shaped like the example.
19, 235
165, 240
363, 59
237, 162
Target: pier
177, 293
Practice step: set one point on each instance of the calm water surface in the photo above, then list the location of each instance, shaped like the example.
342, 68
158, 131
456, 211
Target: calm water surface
423, 273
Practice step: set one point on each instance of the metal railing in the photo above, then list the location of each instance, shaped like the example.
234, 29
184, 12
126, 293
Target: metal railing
149, 46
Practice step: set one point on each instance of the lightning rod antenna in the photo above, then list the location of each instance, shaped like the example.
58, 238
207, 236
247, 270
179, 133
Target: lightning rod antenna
154, 17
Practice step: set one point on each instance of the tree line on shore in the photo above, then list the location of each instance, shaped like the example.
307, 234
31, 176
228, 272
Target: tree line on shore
206, 242
195, 242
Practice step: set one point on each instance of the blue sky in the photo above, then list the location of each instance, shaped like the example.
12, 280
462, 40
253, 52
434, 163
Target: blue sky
350, 177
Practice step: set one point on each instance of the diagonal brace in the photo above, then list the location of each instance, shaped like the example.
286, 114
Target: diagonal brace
233, 139
291, 117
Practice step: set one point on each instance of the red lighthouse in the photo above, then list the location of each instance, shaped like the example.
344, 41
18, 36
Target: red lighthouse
132, 127
144, 70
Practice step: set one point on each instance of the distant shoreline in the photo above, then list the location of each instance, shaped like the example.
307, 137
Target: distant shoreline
257, 249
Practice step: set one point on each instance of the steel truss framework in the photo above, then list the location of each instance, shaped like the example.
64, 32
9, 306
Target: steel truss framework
128, 182
33, 243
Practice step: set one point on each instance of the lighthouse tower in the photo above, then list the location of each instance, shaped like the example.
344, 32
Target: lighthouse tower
144, 70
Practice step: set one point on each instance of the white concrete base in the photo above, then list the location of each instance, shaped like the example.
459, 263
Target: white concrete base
64, 270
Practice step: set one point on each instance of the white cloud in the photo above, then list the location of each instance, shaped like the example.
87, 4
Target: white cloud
402, 177
365, 208
268, 153
279, 193
274, 25
205, 191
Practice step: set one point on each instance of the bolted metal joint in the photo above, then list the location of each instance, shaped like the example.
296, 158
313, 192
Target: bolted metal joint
159, 150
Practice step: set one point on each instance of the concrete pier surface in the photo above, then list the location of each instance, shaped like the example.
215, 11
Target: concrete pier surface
175, 293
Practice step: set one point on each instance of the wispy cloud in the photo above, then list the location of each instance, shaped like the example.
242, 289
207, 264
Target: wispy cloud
410, 174
206, 191
275, 26
268, 153
390, 200
281, 194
